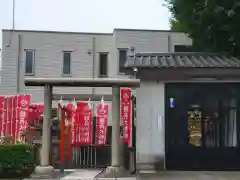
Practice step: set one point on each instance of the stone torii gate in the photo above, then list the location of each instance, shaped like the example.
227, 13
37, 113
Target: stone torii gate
44, 169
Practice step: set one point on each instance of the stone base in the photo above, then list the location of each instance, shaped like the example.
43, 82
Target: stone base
43, 172
114, 172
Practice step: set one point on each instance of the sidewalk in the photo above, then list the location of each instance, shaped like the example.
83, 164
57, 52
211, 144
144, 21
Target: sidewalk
85, 174
81, 174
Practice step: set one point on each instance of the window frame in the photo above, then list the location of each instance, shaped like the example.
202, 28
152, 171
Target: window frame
33, 62
62, 64
118, 64
99, 64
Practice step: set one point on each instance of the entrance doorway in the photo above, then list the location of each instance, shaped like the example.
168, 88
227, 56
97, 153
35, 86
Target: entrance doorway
202, 126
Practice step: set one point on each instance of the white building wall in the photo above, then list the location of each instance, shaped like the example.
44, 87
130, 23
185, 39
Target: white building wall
150, 133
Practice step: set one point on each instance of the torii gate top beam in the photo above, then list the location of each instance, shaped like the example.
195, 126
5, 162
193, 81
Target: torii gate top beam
83, 82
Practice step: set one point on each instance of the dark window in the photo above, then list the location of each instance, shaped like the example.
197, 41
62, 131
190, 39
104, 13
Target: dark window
29, 62
122, 59
66, 69
182, 48
103, 69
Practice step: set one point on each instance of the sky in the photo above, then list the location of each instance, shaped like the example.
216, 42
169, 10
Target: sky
84, 15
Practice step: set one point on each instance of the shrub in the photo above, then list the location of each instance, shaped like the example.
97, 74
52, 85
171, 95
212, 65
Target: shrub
16, 161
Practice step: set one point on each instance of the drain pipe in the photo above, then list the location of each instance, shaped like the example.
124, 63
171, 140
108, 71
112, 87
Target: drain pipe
169, 43
18, 63
93, 64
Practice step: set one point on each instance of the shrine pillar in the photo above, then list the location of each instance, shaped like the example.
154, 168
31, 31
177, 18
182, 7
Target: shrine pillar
44, 169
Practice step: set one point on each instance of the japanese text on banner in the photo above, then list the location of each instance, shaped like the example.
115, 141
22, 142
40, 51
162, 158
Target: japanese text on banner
126, 114
101, 124
85, 123
23, 108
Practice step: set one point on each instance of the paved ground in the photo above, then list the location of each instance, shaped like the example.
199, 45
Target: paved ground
84, 174
191, 175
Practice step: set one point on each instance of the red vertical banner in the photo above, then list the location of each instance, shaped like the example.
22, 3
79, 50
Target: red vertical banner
126, 115
101, 124
28, 101
1, 114
75, 127
10, 115
23, 103
5, 118
73, 124
85, 122
17, 124
70, 120
14, 118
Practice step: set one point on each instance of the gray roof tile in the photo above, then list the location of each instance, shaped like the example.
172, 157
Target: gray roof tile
184, 60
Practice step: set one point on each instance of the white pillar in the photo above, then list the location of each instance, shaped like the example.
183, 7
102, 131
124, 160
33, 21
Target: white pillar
45, 169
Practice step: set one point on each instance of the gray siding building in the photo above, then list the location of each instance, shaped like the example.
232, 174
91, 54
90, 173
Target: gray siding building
72, 54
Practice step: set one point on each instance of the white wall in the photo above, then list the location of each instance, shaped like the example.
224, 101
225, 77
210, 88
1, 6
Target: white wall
150, 141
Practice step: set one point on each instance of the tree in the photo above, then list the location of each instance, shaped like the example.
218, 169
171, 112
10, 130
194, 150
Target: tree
214, 25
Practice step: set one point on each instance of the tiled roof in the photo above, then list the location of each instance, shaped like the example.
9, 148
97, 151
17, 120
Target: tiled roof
181, 60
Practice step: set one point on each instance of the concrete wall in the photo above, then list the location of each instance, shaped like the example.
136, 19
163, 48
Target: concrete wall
150, 125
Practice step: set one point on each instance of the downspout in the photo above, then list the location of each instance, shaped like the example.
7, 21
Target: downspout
93, 64
169, 43
18, 63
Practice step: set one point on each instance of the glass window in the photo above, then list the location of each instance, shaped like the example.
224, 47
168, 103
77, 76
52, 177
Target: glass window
29, 62
103, 69
66, 67
122, 59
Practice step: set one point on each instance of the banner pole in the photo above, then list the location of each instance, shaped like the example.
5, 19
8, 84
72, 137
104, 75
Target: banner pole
62, 139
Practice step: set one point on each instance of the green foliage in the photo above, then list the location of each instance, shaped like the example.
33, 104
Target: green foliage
176, 26
212, 24
16, 161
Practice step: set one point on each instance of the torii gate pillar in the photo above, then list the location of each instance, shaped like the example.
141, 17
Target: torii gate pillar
44, 169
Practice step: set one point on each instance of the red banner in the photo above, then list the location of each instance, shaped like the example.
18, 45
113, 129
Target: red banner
5, 116
126, 115
70, 109
35, 112
10, 115
14, 118
101, 124
1, 114
85, 123
22, 113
